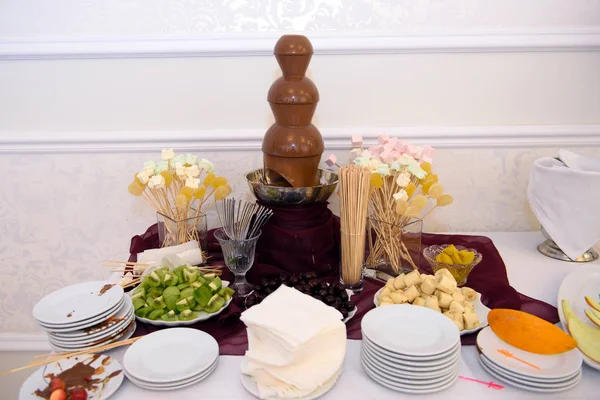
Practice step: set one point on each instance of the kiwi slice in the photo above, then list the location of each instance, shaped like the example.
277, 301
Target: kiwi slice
188, 315
215, 284
226, 293
152, 280
170, 316
171, 296
158, 303
186, 292
191, 301
210, 277
202, 295
197, 307
144, 311
156, 292
179, 272
138, 302
183, 285
155, 314
195, 285
170, 279
191, 275
139, 290
215, 305
183, 305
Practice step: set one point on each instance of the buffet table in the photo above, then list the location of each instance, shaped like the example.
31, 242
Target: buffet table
529, 272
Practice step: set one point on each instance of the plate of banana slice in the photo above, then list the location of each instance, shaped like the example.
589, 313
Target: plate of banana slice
438, 292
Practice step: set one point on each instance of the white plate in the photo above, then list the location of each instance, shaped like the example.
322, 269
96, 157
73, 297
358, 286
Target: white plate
413, 331
122, 336
202, 315
85, 324
415, 377
102, 329
426, 361
171, 355
583, 281
409, 388
480, 309
175, 386
416, 366
36, 380
251, 386
81, 302
521, 385
92, 341
551, 366
527, 380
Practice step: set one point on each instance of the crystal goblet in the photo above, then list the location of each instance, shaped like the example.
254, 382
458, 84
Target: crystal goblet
239, 257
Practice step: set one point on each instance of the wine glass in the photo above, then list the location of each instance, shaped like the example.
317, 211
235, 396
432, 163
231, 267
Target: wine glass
239, 257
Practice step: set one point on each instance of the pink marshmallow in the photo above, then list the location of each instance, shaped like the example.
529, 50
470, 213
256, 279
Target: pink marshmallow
331, 160
382, 139
411, 150
392, 141
400, 146
426, 158
357, 141
376, 150
385, 154
354, 154
391, 157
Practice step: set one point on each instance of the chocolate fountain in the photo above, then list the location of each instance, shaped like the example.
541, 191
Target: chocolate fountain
303, 234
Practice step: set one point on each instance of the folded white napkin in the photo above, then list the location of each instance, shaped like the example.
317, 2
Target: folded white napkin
189, 252
563, 195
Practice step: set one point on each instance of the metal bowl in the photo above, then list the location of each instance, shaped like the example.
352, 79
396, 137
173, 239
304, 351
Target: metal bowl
287, 195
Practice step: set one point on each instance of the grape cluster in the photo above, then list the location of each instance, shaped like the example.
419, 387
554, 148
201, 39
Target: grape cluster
333, 295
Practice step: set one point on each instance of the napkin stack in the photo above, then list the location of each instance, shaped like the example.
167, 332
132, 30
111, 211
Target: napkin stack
189, 252
296, 345
563, 193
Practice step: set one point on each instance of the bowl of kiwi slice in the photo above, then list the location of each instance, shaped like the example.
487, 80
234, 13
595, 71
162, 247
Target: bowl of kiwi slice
179, 296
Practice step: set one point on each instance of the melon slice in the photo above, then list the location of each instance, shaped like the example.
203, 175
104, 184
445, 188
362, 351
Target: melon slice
594, 316
566, 308
529, 333
592, 303
587, 337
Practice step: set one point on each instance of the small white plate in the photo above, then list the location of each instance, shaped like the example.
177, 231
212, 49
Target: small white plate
176, 385
171, 355
413, 376
410, 388
37, 381
92, 341
521, 385
415, 366
102, 329
527, 380
202, 315
480, 309
424, 361
84, 324
551, 366
582, 281
77, 303
412, 331
251, 386
126, 334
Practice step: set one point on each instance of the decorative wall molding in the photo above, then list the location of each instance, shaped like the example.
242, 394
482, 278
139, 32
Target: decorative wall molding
236, 45
335, 139
24, 342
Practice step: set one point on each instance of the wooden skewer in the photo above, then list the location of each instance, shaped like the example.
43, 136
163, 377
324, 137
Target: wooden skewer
68, 355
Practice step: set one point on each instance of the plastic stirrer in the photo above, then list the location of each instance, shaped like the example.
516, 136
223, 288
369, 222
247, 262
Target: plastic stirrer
489, 384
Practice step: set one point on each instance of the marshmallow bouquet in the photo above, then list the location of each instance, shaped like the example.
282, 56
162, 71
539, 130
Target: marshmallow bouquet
403, 189
182, 189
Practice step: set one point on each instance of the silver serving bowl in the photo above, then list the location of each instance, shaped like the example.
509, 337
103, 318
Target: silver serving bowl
265, 188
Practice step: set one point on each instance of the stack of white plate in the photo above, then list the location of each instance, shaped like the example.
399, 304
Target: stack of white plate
410, 349
85, 316
171, 359
525, 370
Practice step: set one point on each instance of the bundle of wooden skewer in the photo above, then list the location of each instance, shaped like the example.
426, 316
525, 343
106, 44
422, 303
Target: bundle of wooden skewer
54, 357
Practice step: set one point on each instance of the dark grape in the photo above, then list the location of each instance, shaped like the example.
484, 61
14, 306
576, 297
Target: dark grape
350, 305
250, 301
284, 278
344, 313
323, 293
311, 275
344, 296
317, 297
264, 282
294, 280
338, 302
330, 299
339, 288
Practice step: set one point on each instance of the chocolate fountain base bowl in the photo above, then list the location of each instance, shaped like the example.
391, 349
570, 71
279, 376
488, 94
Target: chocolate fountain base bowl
287, 195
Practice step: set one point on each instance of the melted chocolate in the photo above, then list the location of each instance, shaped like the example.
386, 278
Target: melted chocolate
105, 289
79, 375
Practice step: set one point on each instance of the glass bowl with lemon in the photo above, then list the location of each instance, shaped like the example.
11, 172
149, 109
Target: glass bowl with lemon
459, 260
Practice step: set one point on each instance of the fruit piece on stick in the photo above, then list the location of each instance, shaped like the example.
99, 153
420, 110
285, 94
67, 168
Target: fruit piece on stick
592, 303
528, 332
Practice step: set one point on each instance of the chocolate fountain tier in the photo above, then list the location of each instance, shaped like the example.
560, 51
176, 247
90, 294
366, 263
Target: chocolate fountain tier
270, 189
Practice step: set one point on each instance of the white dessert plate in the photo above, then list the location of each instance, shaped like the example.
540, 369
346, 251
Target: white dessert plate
251, 386
173, 386
481, 310
126, 334
410, 388
512, 374
104, 328
411, 331
582, 281
408, 376
202, 315
426, 361
171, 355
77, 303
84, 324
38, 381
527, 380
85, 342
551, 366
522, 385
397, 365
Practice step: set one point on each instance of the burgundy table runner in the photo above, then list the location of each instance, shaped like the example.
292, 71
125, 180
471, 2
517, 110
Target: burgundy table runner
489, 277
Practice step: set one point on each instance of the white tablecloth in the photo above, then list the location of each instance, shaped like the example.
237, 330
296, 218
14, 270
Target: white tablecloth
528, 271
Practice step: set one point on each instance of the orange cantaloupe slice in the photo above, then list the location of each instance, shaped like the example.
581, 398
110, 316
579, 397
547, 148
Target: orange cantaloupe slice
529, 333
